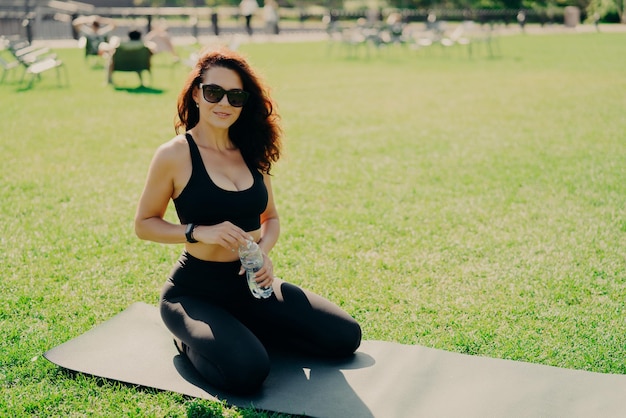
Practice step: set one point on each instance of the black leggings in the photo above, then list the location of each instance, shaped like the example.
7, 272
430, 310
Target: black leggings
225, 330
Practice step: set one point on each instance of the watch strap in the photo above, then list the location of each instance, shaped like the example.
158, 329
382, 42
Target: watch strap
189, 233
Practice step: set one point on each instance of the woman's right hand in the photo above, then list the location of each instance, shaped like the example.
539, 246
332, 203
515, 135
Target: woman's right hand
226, 234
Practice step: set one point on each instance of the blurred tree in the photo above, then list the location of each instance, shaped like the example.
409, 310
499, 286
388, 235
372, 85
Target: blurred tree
547, 7
601, 8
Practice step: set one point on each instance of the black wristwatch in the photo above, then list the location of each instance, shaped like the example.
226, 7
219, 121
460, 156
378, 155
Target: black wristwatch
189, 233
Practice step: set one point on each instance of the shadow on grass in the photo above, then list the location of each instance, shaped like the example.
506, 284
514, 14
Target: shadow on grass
140, 89
22, 87
199, 407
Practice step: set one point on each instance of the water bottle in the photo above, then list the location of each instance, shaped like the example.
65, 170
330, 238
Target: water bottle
251, 258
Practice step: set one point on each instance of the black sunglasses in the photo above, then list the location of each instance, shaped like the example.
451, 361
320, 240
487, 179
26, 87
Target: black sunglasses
213, 93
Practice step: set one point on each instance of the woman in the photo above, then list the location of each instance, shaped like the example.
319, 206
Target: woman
218, 175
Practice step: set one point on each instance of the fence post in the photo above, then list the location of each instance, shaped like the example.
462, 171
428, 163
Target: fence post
214, 22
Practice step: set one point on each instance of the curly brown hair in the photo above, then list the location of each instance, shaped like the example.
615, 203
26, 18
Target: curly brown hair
257, 131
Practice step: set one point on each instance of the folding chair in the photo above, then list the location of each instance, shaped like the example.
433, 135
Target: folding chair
35, 69
131, 58
7, 67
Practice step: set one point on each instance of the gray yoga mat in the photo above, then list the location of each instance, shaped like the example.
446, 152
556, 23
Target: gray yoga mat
383, 379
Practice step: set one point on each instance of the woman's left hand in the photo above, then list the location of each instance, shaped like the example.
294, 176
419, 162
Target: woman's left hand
265, 276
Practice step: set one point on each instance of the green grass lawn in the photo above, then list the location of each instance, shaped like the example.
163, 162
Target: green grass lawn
472, 205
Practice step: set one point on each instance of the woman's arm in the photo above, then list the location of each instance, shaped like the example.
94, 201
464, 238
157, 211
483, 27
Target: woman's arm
158, 190
270, 230
270, 224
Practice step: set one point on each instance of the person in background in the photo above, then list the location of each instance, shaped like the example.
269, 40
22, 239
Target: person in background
159, 40
134, 41
395, 26
271, 16
96, 31
217, 173
247, 8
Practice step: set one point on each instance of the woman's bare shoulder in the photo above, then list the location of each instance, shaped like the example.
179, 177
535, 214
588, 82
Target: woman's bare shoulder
173, 150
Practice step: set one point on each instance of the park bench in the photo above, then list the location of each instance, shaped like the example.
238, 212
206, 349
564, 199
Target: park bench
34, 60
35, 69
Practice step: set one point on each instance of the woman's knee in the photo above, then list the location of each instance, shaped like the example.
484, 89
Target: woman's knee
248, 376
349, 339
242, 373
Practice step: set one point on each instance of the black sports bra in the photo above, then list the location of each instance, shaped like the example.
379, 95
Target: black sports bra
204, 203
